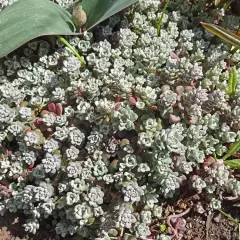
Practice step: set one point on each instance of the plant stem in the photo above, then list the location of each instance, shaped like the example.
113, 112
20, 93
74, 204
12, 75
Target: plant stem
121, 232
67, 44
229, 216
161, 18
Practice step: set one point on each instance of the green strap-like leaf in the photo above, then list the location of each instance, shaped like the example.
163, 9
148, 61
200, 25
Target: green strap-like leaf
234, 163
27, 19
99, 10
224, 34
233, 149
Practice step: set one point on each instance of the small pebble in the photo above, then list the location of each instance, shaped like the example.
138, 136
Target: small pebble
189, 225
217, 219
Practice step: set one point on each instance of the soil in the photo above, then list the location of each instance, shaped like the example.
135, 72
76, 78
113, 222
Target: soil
219, 229
214, 227
11, 229
199, 227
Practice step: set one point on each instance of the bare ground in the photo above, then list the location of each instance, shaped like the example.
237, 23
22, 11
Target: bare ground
11, 229
199, 227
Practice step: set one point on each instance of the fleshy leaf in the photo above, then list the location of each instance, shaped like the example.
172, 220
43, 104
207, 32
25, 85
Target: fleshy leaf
235, 147
27, 19
234, 163
99, 10
222, 33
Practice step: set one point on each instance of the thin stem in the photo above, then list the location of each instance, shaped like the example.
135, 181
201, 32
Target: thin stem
161, 18
121, 232
229, 216
66, 43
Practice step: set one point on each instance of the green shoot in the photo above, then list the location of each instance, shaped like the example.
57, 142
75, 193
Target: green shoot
227, 4
235, 221
161, 18
233, 149
232, 82
229, 216
67, 44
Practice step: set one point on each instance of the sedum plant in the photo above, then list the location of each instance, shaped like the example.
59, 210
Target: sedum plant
100, 151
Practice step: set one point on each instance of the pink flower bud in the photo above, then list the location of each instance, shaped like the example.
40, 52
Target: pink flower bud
59, 109
39, 120
208, 161
193, 121
44, 112
174, 119
132, 100
117, 106
165, 88
174, 56
51, 107
179, 90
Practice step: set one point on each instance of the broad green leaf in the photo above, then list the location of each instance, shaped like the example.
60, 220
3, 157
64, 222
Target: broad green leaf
99, 10
235, 147
161, 18
234, 163
232, 82
224, 34
27, 19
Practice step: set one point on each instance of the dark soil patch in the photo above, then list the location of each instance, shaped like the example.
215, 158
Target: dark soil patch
214, 227
199, 227
11, 229
219, 229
